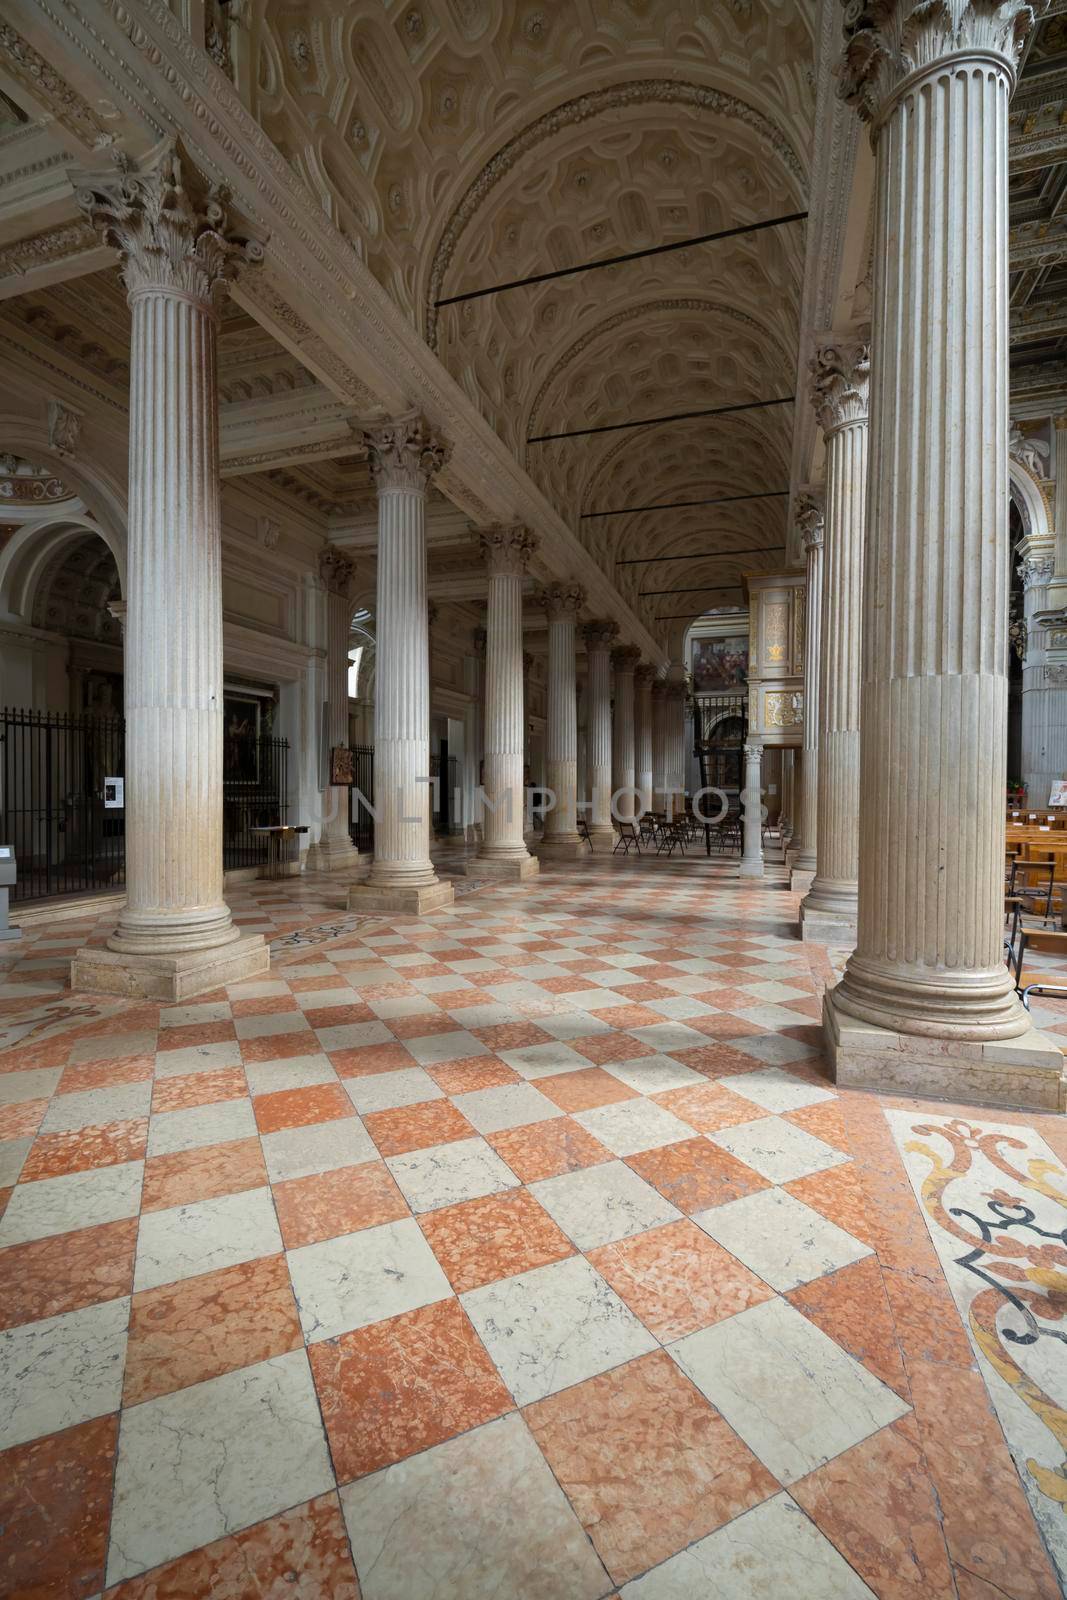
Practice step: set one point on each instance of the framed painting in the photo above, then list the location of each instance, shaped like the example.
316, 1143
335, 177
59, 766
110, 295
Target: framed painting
719, 664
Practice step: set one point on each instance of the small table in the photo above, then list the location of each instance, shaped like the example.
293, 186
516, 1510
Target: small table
278, 835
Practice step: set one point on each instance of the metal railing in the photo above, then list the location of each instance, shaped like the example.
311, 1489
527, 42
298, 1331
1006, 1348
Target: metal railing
360, 821
255, 783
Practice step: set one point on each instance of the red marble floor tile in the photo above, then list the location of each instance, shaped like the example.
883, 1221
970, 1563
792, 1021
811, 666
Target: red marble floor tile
544, 1149
512, 1035
473, 1072
684, 1470
642, 990
717, 1061
301, 985
695, 1174
186, 1176
479, 1241
662, 969
399, 1386
852, 1307
837, 1194
301, 1554
299, 1108
366, 1059
198, 1089
422, 1026
707, 1107
41, 1053
22, 1119
677, 1279
338, 1016
460, 999
396, 990
585, 1088
47, 1277
417, 1127
5, 1196
614, 1046
569, 985
722, 1025
876, 1505
825, 1122
627, 1016
55, 1512
327, 1204
279, 1046
927, 1323
187, 1034
79, 1149
265, 1005
183, 1333
106, 1074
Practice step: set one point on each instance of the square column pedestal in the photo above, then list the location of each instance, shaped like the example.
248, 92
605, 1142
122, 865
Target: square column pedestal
508, 870
562, 849
169, 978
400, 902
1024, 1073
826, 927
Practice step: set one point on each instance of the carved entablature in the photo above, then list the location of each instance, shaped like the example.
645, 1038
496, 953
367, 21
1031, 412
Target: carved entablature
563, 601
172, 231
600, 634
507, 550
840, 381
404, 454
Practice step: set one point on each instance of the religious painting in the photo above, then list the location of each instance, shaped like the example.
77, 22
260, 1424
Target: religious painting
342, 766
241, 715
719, 664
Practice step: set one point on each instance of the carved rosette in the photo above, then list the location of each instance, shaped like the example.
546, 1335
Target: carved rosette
809, 516
840, 381
625, 658
507, 550
600, 634
174, 233
563, 601
404, 454
336, 570
888, 40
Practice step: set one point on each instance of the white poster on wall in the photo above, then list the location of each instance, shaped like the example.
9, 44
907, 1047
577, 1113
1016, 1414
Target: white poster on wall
1058, 797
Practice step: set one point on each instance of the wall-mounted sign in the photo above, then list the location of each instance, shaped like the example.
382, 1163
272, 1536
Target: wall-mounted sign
113, 794
1058, 797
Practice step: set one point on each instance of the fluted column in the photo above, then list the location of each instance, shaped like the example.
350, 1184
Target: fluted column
598, 638
503, 851
473, 675
840, 372
752, 814
643, 677
624, 660
674, 785
928, 971
785, 803
809, 518
562, 602
177, 249
1043, 748
659, 743
404, 455
334, 851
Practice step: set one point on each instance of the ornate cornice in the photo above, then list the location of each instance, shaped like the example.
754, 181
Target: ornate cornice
809, 516
600, 634
888, 40
840, 379
336, 570
507, 550
173, 233
53, 244
563, 601
45, 84
404, 454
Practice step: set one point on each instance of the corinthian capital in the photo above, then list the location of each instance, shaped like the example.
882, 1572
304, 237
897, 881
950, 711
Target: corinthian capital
563, 601
335, 570
507, 550
840, 378
404, 453
600, 634
886, 40
173, 231
808, 516
625, 658
644, 676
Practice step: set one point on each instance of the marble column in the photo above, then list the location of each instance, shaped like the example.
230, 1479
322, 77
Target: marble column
582, 709
785, 802
503, 852
1043, 745
840, 372
926, 1003
178, 248
404, 456
643, 678
803, 851
624, 660
599, 637
334, 850
473, 683
659, 743
752, 814
562, 602
674, 785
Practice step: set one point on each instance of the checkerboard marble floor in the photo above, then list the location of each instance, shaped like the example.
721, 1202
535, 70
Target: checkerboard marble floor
520, 1252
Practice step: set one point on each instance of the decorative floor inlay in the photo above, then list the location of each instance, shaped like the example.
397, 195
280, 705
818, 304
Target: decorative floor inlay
995, 1201
321, 933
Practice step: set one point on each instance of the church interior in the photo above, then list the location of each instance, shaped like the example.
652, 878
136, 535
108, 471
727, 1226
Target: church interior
533, 799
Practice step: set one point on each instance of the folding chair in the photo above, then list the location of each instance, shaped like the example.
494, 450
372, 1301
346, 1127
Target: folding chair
628, 839
1025, 884
583, 831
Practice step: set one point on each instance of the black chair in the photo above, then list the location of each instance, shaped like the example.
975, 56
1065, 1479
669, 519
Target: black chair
1031, 882
628, 839
583, 831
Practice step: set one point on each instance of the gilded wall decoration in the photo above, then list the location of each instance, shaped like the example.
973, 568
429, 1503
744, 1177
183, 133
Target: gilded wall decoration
776, 633
783, 708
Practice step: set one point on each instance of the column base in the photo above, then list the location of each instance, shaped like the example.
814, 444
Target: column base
750, 868
170, 978
801, 879
328, 857
512, 868
567, 848
827, 927
1025, 1073
412, 901
602, 836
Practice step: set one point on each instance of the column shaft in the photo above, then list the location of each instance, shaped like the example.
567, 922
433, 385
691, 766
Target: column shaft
503, 851
752, 814
624, 660
659, 743
674, 786
598, 639
806, 833
561, 823
643, 737
334, 850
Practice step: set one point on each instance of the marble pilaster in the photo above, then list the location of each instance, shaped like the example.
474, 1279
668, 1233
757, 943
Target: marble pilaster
178, 249
659, 743
404, 456
334, 851
926, 1003
675, 752
503, 851
840, 371
562, 602
599, 637
643, 764
803, 847
474, 685
752, 814
624, 660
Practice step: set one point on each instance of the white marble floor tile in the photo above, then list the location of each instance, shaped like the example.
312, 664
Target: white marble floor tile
600, 1204
777, 1150
793, 1395
215, 1458
94, 1107
404, 1005
197, 1058
76, 1200
13, 1153
444, 1174
359, 1278
774, 1048
436, 1048
269, 1024
511, 1105
553, 1327
35, 1083
782, 1240
289, 1072
653, 1074
384, 1091
441, 983
483, 1016
593, 999
198, 1011
770, 1551
61, 1371
777, 1090
189, 1129
109, 1046
565, 1025
682, 1006
630, 1126
316, 999
352, 1035
543, 1060
321, 1147
186, 1241
668, 1036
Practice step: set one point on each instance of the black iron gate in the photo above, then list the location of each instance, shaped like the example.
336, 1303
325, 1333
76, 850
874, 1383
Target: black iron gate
255, 786
52, 810
360, 821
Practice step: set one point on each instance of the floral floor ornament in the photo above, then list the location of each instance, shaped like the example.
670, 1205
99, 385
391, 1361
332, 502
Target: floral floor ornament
995, 1201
